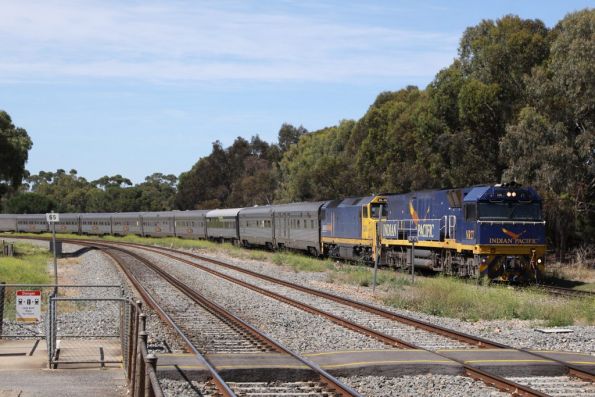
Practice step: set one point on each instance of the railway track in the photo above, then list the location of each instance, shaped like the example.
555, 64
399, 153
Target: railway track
218, 331
577, 379
518, 386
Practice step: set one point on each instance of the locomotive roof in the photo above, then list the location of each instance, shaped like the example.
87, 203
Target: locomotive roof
476, 193
349, 201
498, 192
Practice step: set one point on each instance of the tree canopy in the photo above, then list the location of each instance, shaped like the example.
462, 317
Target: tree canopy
14, 152
517, 104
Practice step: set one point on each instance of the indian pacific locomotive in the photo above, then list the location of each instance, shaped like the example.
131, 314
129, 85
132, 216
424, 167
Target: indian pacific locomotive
495, 231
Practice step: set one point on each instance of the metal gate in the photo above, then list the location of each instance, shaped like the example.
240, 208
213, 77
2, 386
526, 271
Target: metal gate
96, 337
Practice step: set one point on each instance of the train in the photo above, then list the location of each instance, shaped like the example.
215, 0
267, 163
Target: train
495, 231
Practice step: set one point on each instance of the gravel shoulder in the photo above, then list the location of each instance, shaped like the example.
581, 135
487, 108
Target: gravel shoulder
514, 332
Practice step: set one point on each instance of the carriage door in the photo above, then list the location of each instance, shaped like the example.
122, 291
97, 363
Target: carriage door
286, 226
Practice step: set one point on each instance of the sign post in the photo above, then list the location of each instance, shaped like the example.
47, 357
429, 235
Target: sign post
53, 218
28, 306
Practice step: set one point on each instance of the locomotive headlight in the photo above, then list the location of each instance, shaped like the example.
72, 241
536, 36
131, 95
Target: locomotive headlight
508, 194
539, 260
513, 194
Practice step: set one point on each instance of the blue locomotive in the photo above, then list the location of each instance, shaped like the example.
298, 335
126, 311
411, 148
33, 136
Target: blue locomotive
495, 231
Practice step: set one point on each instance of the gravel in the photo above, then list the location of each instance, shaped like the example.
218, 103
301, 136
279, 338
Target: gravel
180, 388
421, 385
516, 333
404, 332
282, 322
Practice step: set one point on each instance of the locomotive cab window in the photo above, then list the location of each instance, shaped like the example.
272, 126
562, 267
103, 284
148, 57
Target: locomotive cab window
364, 212
504, 211
470, 210
375, 210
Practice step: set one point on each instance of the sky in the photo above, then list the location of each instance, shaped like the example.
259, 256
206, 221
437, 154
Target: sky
136, 87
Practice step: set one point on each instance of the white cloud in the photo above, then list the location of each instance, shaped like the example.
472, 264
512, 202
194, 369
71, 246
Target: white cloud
204, 41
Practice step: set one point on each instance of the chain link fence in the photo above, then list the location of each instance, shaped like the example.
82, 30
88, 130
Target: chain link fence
83, 326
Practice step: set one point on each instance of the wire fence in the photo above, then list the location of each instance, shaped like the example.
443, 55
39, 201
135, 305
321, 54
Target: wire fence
83, 326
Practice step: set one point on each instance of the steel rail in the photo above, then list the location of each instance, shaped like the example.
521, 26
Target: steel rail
420, 324
490, 379
219, 383
308, 308
222, 313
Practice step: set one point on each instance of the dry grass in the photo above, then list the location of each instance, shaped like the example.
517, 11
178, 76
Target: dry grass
451, 297
580, 271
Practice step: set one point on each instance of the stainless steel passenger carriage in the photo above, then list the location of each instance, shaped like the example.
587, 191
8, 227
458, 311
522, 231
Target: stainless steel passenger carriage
256, 226
223, 224
8, 223
191, 224
69, 223
32, 223
297, 226
96, 223
158, 224
124, 223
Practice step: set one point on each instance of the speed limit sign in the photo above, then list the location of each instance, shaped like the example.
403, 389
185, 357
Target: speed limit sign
52, 217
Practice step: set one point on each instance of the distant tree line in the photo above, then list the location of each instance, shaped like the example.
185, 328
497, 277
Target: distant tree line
517, 104
67, 192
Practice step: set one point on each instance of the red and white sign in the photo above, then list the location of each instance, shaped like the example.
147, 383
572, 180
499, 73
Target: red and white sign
28, 306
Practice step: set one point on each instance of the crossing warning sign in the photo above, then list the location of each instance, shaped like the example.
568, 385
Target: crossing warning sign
28, 306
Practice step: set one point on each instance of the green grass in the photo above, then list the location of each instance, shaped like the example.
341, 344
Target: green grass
28, 266
451, 297
442, 296
363, 276
301, 263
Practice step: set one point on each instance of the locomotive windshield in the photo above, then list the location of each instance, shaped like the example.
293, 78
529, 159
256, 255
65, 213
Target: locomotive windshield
510, 211
375, 209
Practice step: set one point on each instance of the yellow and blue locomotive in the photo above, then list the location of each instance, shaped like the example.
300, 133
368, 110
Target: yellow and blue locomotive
496, 231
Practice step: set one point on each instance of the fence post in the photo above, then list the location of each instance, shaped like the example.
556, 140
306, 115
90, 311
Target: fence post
151, 364
143, 322
140, 365
133, 338
1, 305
